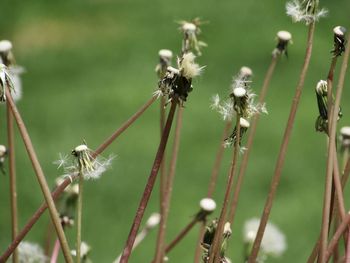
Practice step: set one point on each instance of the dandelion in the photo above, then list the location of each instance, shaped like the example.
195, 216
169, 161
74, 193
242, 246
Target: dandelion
321, 124
31, 253
231, 140
165, 56
306, 11
5, 82
284, 38
273, 242
3, 154
191, 30
207, 206
339, 41
6, 56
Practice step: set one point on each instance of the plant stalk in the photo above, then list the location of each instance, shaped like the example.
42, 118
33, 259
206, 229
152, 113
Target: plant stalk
79, 216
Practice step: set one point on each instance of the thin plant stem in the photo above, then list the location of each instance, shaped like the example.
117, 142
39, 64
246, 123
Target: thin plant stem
162, 181
149, 186
41, 178
215, 246
250, 140
212, 185
347, 252
55, 251
59, 189
48, 237
79, 216
181, 235
13, 188
335, 239
169, 188
346, 172
283, 150
126, 125
330, 160
218, 160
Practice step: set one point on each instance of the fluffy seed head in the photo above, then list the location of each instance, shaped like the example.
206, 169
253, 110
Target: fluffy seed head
339, 31
31, 253
284, 35
244, 123
3, 150
207, 204
188, 67
227, 229
273, 242
165, 53
245, 72
153, 220
84, 250
5, 46
81, 148
345, 131
189, 27
239, 92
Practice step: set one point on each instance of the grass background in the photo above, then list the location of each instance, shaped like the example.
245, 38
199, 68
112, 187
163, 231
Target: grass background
90, 65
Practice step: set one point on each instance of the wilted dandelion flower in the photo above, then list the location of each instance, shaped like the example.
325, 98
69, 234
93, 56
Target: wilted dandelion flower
165, 56
226, 235
207, 206
191, 30
273, 242
5, 82
306, 11
6, 56
31, 253
283, 38
231, 140
339, 41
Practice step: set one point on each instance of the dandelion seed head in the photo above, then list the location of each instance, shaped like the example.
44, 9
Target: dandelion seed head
227, 229
321, 87
153, 220
84, 250
80, 148
3, 150
239, 92
307, 11
245, 72
100, 166
339, 31
188, 67
165, 54
189, 28
5, 46
31, 253
345, 131
244, 123
215, 102
273, 242
207, 204
284, 35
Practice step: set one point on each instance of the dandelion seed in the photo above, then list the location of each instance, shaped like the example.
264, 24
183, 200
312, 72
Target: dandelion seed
84, 251
273, 242
188, 68
3, 154
6, 56
165, 56
5, 82
339, 41
31, 253
153, 221
305, 11
191, 30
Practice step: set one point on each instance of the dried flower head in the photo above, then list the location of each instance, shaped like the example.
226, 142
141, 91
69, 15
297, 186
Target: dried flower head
165, 56
6, 56
321, 124
208, 239
84, 163
273, 242
306, 11
5, 82
3, 154
31, 253
345, 138
283, 39
231, 140
153, 221
226, 235
84, 251
339, 41
207, 206
191, 30
177, 83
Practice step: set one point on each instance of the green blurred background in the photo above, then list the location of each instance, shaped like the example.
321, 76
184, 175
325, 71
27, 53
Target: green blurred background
90, 65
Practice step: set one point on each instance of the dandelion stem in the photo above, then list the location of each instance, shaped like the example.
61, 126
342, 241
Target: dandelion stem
149, 186
212, 184
346, 172
56, 250
79, 215
283, 149
330, 160
125, 125
335, 239
41, 178
250, 139
13, 188
169, 188
347, 253
215, 246
58, 191
163, 176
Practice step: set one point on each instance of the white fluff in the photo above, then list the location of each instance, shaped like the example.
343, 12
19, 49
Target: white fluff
284, 35
207, 204
188, 67
153, 220
31, 253
5, 46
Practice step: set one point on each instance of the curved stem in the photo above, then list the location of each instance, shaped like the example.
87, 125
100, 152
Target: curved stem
283, 149
149, 187
79, 216
13, 188
168, 190
56, 250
